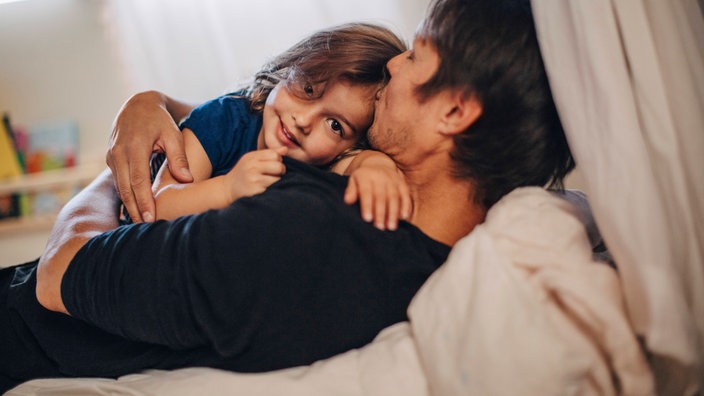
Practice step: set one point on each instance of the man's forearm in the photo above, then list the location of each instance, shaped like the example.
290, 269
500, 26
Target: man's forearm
91, 212
178, 110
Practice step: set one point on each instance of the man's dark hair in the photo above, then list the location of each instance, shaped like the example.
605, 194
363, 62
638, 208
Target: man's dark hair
489, 50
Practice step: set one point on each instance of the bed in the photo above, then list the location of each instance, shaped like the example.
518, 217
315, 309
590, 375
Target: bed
532, 259
523, 305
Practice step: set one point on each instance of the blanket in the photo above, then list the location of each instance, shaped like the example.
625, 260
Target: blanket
520, 307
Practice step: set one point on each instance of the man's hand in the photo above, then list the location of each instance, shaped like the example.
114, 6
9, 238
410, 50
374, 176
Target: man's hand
254, 172
381, 189
145, 124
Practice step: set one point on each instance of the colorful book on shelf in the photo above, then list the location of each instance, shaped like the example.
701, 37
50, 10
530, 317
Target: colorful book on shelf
9, 163
42, 147
51, 145
18, 140
9, 168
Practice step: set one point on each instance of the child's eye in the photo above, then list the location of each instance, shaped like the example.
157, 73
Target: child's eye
308, 89
411, 55
336, 126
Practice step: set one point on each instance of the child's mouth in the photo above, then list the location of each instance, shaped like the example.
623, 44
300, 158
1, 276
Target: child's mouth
288, 135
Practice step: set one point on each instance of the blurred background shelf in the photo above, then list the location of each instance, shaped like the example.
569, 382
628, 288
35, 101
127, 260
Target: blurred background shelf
64, 179
46, 180
26, 224
23, 238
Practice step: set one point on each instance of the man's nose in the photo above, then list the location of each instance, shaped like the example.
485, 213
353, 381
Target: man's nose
392, 64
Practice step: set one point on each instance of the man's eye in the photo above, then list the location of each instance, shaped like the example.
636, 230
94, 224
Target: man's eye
336, 126
411, 55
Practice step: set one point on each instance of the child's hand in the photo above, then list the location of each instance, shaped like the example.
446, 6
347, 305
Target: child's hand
255, 171
381, 189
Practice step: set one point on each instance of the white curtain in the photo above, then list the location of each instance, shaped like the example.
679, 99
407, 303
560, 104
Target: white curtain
198, 49
628, 78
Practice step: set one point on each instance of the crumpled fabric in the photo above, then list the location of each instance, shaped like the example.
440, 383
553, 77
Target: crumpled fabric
521, 307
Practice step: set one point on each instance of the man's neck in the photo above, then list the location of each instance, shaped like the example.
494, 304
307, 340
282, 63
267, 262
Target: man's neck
443, 207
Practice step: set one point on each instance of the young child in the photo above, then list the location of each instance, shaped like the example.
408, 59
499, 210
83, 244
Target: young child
314, 103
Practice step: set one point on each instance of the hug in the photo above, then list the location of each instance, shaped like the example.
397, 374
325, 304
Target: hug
358, 200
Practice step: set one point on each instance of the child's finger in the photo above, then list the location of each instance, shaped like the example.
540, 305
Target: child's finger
392, 214
265, 182
270, 154
366, 203
406, 202
380, 200
269, 180
351, 193
273, 168
283, 150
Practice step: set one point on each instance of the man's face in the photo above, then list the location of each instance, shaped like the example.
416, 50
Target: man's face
400, 117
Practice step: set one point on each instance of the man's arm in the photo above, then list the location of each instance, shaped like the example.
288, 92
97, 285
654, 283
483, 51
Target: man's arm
146, 123
198, 279
88, 214
271, 281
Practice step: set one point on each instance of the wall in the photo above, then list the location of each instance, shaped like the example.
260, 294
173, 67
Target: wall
60, 60
56, 63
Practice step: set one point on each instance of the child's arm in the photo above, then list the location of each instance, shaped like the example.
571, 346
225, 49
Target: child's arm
252, 174
379, 185
146, 122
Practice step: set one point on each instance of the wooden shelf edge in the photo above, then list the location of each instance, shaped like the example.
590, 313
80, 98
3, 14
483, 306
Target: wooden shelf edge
26, 224
65, 179
49, 179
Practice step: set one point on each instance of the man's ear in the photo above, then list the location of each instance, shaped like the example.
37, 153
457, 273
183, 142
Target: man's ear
461, 112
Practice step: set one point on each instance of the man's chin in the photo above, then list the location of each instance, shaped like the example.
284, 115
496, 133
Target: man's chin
372, 137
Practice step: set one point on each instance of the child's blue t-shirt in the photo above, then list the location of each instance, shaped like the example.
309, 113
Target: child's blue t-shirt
226, 128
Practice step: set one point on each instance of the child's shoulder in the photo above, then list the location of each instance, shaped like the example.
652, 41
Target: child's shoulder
231, 106
237, 98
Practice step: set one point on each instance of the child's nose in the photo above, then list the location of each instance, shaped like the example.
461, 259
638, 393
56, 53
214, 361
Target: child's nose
303, 119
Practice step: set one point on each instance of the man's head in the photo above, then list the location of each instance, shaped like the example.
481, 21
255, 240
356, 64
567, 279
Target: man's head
481, 60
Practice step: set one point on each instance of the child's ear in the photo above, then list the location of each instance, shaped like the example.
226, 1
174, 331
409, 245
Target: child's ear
461, 112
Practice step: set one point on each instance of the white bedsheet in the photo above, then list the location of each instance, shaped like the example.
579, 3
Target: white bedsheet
520, 307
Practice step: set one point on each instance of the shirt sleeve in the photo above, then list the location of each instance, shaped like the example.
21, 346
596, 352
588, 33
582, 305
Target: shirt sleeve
202, 280
226, 129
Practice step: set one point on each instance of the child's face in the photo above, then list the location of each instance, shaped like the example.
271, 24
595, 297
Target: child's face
317, 130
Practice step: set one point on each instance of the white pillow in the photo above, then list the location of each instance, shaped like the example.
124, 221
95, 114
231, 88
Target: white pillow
520, 308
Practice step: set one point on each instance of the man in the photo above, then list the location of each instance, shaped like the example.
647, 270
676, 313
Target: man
292, 275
